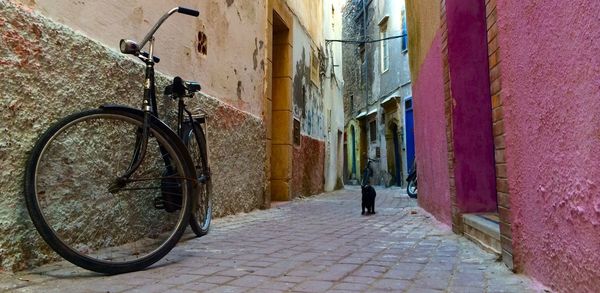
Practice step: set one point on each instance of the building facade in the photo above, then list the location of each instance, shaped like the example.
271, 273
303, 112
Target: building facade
270, 89
506, 103
377, 91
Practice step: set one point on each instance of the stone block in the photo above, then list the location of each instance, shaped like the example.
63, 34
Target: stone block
282, 127
281, 162
282, 93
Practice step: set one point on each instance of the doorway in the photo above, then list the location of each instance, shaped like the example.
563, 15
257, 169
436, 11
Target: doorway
281, 125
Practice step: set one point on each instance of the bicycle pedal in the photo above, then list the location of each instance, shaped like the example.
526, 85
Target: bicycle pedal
159, 203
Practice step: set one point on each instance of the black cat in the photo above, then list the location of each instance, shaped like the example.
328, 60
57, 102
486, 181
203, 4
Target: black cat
368, 199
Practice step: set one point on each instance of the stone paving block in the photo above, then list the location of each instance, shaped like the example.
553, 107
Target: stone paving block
227, 289
455, 289
198, 286
370, 271
290, 279
275, 285
432, 283
358, 287
152, 288
202, 271
248, 281
180, 279
313, 286
392, 285
422, 290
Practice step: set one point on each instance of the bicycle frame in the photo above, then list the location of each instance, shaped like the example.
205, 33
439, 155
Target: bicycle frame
149, 104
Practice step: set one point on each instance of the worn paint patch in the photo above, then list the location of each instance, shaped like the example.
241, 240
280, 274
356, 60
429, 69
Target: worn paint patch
308, 167
239, 89
255, 54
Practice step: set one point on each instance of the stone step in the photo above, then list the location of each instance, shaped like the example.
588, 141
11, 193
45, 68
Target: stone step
483, 229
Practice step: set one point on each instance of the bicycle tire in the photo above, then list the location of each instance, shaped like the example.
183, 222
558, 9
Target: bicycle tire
201, 215
411, 189
78, 217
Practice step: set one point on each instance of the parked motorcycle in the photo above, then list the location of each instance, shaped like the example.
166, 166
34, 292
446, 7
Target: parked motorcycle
411, 189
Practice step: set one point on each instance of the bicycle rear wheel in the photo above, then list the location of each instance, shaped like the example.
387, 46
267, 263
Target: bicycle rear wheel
67, 191
202, 211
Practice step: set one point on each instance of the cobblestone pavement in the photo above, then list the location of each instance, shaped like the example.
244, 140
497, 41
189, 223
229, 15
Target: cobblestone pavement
319, 244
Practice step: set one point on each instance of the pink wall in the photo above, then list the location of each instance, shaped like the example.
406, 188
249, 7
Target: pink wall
550, 74
474, 167
430, 136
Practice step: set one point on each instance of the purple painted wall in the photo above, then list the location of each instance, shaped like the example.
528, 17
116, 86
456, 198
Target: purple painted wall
551, 93
430, 136
475, 174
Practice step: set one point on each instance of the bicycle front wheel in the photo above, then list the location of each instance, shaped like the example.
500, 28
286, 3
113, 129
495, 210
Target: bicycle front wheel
411, 189
201, 215
72, 201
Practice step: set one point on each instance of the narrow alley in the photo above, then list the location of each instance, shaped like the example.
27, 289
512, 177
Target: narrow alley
317, 244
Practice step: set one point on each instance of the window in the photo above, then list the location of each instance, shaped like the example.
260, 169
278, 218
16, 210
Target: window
314, 68
296, 131
384, 49
404, 32
351, 104
372, 131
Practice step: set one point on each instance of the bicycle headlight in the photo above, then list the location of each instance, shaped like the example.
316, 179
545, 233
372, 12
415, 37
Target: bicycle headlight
129, 47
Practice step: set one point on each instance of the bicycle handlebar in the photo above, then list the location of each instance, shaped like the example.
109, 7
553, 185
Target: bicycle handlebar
188, 11
179, 9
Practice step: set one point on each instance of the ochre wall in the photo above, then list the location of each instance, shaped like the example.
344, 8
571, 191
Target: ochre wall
551, 97
423, 21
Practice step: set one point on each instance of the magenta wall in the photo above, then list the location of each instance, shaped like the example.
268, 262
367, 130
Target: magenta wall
550, 71
475, 173
430, 136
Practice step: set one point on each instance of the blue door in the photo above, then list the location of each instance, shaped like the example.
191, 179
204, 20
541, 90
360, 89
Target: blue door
410, 132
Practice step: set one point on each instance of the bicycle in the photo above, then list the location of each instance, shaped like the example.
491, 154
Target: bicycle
412, 186
113, 189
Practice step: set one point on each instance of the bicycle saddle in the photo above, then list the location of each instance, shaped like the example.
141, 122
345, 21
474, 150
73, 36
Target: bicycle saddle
181, 88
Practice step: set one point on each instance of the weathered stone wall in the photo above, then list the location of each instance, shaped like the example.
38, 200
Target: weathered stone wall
48, 71
308, 163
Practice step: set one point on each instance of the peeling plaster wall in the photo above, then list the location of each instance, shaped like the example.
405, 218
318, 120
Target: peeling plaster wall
551, 95
48, 71
307, 96
308, 106
233, 70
